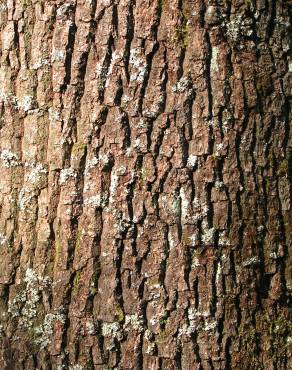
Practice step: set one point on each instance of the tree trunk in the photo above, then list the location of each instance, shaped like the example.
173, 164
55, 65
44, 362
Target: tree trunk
145, 189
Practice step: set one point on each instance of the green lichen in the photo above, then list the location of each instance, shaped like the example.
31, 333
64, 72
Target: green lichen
282, 169
249, 338
78, 240
78, 147
163, 334
76, 282
160, 5
94, 278
280, 327
249, 4
58, 246
58, 249
181, 31
144, 174
120, 316
180, 35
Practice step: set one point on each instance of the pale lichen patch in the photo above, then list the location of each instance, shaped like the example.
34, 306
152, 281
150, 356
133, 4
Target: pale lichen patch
182, 85
111, 329
58, 56
133, 322
138, 64
36, 173
45, 331
192, 161
26, 103
208, 235
66, 174
214, 59
9, 159
253, 261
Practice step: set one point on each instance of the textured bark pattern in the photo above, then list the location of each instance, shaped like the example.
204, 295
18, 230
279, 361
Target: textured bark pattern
145, 154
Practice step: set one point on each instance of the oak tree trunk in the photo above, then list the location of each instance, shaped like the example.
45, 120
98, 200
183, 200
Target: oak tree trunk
145, 188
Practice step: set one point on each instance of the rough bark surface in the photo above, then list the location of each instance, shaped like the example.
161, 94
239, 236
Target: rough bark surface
145, 188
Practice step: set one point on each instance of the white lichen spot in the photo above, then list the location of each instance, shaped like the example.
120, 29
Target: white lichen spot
8, 98
96, 201
90, 327
24, 304
91, 164
113, 186
76, 367
214, 61
31, 277
104, 159
9, 159
186, 330
66, 174
208, 235
154, 321
126, 99
25, 197
223, 239
137, 143
218, 273
184, 204
239, 26
26, 103
182, 85
115, 56
122, 170
3, 239
253, 261
171, 242
192, 161
36, 174
58, 56
45, 331
110, 329
210, 326
137, 63
195, 263
133, 322
54, 115
150, 350
201, 209
40, 63
219, 184
273, 255
142, 124
219, 148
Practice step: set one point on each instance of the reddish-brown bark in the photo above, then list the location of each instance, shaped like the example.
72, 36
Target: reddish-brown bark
145, 188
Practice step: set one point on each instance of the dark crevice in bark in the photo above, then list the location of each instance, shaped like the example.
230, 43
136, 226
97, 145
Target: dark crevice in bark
68, 59
115, 20
271, 19
149, 60
105, 67
129, 37
228, 360
208, 76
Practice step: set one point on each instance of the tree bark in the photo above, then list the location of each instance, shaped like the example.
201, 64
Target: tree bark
145, 188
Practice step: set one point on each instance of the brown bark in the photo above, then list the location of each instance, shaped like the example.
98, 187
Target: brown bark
145, 188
